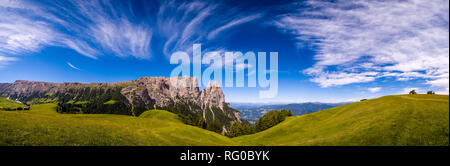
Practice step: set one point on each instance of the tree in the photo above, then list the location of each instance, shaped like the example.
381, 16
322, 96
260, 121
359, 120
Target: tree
235, 129
200, 122
247, 129
214, 126
271, 119
238, 129
286, 112
430, 93
413, 92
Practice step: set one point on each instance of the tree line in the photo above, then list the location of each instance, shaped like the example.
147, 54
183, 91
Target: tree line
267, 121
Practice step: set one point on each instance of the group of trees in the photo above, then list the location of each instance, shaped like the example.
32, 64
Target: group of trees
193, 120
238, 129
15, 109
413, 92
198, 121
92, 101
267, 121
93, 107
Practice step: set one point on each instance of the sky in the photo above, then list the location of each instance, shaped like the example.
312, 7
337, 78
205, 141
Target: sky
328, 51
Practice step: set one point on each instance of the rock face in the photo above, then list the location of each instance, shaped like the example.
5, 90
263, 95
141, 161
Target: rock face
143, 93
161, 91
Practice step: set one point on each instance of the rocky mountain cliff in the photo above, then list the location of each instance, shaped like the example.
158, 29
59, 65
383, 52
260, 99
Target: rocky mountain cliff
180, 95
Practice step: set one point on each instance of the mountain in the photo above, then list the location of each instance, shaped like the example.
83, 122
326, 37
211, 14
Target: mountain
390, 120
181, 96
253, 111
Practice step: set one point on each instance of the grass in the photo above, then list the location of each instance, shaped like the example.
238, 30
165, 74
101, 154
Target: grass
42, 125
41, 100
110, 102
390, 120
81, 102
9, 104
161, 115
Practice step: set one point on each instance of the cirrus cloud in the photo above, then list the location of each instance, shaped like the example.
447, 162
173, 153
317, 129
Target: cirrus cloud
72, 66
5, 60
385, 38
88, 27
374, 89
119, 28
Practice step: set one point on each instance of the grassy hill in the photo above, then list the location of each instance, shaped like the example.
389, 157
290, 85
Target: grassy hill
9, 104
390, 120
42, 125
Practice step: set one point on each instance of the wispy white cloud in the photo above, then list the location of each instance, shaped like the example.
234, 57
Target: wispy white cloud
374, 89
20, 34
72, 66
5, 60
328, 79
408, 38
438, 83
193, 22
233, 62
87, 27
101, 30
233, 23
81, 47
103, 27
182, 33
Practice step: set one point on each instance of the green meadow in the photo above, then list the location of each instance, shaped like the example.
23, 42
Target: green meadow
9, 104
390, 120
42, 125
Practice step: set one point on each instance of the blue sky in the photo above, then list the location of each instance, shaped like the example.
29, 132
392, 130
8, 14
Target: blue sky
328, 51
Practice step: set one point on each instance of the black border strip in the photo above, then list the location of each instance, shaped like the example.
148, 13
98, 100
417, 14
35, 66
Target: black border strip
172, 154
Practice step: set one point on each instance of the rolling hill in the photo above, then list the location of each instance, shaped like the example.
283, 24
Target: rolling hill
389, 120
9, 104
42, 125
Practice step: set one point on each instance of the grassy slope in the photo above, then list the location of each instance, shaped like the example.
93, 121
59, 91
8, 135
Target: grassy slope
43, 126
161, 115
390, 120
5, 103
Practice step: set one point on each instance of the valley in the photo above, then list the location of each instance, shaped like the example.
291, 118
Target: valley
252, 112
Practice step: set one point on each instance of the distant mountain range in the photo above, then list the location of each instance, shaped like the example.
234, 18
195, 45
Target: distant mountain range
253, 111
